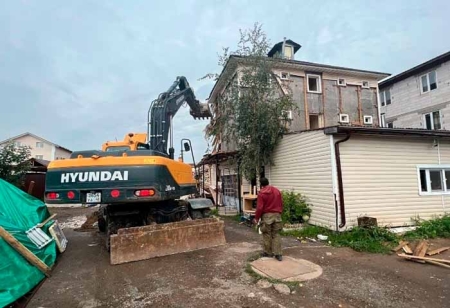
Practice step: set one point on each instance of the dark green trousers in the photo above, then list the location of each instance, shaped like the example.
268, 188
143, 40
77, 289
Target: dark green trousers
271, 226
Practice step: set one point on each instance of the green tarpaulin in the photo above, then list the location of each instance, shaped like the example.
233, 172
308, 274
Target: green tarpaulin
19, 212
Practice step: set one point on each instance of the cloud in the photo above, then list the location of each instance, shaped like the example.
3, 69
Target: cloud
85, 72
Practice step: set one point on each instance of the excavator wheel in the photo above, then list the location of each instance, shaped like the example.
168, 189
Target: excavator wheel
101, 222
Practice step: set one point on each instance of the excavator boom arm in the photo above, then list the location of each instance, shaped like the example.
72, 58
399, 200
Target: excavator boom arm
163, 109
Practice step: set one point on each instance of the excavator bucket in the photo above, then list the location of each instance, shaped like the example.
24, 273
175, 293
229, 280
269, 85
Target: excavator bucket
140, 243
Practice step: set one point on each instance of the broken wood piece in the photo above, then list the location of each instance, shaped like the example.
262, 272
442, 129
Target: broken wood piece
419, 248
438, 264
400, 246
407, 249
423, 258
46, 221
23, 251
311, 239
437, 251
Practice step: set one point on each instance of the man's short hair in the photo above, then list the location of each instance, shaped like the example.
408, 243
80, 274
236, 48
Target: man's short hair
264, 181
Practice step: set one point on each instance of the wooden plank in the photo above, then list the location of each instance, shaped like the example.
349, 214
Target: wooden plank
23, 251
358, 94
46, 221
323, 104
424, 249
419, 248
400, 246
407, 249
424, 258
437, 251
306, 102
438, 264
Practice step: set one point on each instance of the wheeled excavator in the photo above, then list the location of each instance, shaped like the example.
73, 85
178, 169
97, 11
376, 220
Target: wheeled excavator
139, 186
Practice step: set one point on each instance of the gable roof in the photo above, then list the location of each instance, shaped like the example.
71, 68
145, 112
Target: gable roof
416, 70
37, 137
233, 60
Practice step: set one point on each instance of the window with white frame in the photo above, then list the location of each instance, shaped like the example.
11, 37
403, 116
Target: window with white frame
434, 179
365, 84
39, 144
17, 144
284, 76
432, 120
385, 97
39, 156
342, 82
313, 83
428, 82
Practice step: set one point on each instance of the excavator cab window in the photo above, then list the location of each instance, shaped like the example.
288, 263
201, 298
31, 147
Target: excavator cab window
143, 146
117, 149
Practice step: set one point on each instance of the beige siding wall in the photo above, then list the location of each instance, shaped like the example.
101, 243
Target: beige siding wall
303, 164
380, 179
61, 154
46, 151
408, 103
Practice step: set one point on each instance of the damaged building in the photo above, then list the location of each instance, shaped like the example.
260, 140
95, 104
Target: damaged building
324, 96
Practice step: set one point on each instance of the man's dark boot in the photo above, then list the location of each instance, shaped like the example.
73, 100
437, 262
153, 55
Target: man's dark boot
279, 257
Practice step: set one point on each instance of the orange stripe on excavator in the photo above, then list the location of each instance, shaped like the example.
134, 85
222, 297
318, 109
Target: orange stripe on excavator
181, 172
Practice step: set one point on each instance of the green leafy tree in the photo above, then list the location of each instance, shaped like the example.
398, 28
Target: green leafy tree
14, 163
251, 114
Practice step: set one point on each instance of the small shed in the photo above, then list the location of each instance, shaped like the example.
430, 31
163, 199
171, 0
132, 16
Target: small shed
393, 175
37, 175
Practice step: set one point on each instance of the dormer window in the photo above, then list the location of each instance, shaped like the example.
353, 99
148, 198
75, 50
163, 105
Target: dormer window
288, 52
284, 49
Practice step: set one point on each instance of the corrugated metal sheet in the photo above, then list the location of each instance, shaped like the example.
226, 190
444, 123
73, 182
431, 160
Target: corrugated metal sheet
303, 164
380, 178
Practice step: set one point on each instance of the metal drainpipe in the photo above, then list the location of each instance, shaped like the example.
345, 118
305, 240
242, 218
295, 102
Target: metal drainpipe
340, 183
239, 186
217, 184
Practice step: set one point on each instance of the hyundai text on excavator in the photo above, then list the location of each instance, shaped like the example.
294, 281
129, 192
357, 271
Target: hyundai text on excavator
139, 186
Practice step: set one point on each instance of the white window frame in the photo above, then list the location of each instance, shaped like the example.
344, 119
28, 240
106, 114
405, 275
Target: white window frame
286, 46
432, 119
369, 119
342, 84
289, 114
428, 82
383, 120
17, 144
427, 168
40, 156
383, 102
41, 145
319, 83
367, 86
284, 78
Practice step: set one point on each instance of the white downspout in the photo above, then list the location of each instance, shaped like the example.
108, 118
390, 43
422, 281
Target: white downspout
439, 161
334, 180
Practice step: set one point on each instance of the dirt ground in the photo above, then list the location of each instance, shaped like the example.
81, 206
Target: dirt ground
216, 277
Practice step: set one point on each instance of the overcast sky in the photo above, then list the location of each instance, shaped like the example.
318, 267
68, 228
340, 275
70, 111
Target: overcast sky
81, 72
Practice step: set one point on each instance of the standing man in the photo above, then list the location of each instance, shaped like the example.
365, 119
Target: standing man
269, 209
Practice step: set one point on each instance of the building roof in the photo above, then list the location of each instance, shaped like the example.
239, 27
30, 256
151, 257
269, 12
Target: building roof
233, 60
277, 47
416, 70
404, 132
37, 137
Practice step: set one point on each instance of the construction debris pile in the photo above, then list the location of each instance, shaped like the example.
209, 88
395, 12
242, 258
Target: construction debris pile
421, 250
27, 242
